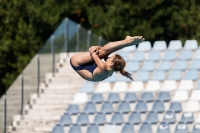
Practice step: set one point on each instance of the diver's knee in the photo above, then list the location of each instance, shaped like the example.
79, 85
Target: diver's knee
102, 53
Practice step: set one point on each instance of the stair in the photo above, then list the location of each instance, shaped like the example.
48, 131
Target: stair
44, 111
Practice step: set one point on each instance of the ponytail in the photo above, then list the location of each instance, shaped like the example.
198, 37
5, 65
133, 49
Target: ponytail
128, 75
119, 64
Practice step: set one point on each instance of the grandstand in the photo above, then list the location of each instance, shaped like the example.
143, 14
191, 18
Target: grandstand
163, 98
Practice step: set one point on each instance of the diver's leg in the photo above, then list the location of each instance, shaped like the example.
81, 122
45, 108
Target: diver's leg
81, 58
84, 57
114, 46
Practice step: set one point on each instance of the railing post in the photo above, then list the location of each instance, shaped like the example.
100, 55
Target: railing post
5, 115
53, 55
88, 39
99, 40
38, 74
78, 38
22, 93
66, 35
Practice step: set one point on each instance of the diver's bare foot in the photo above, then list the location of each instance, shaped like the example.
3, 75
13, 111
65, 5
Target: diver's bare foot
135, 40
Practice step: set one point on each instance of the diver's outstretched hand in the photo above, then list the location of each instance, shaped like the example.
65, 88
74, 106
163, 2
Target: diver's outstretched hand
135, 40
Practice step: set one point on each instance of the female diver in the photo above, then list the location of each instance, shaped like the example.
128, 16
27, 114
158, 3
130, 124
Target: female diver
90, 66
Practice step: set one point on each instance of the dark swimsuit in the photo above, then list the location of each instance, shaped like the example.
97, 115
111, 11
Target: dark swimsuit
90, 67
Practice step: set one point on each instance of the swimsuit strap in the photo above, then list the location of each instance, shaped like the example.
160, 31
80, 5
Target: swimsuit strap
102, 79
106, 74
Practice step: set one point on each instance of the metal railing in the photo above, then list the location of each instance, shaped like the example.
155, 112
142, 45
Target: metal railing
68, 37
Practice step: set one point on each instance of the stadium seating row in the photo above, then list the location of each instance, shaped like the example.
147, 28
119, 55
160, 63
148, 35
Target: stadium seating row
129, 128
138, 86
169, 55
141, 107
117, 118
161, 46
145, 76
134, 66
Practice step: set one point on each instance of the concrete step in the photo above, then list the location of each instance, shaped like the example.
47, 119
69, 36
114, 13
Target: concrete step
67, 81
52, 101
60, 91
47, 117
28, 131
49, 107
34, 123
62, 86
46, 111
55, 93
67, 72
34, 129
52, 95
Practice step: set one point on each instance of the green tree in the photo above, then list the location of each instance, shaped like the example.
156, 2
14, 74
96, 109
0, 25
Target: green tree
26, 25
155, 20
